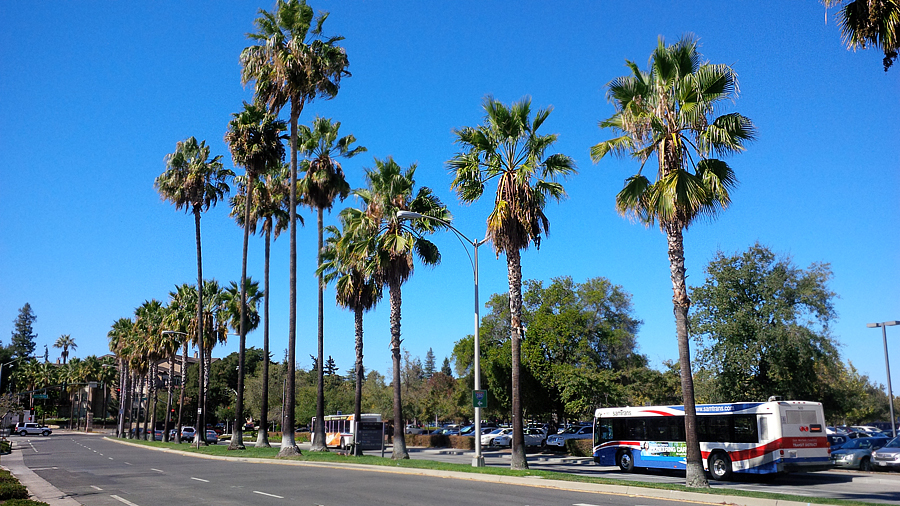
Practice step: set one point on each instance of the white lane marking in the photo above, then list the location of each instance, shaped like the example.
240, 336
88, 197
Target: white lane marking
129, 464
110, 458
95, 487
200, 479
42, 468
125, 501
270, 495
157, 470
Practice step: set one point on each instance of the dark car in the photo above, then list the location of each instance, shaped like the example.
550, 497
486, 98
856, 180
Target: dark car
835, 441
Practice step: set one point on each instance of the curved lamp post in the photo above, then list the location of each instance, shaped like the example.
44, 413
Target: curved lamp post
478, 460
887, 366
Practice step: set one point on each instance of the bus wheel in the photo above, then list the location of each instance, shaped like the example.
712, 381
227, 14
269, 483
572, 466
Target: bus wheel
625, 462
719, 466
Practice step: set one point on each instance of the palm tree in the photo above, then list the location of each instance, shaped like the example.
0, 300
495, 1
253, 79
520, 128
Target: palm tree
292, 63
182, 321
194, 182
65, 342
508, 147
870, 23
391, 188
269, 207
323, 184
254, 137
347, 262
119, 337
148, 322
666, 112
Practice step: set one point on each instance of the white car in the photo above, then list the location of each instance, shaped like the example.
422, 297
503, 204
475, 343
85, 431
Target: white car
412, 429
533, 437
489, 438
31, 429
573, 432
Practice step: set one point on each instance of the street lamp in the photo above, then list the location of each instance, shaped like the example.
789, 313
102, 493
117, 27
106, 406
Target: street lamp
478, 460
887, 366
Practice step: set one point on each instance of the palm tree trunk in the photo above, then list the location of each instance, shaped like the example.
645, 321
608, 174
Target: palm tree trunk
183, 382
318, 444
153, 375
201, 425
237, 435
262, 436
514, 269
695, 477
170, 389
129, 400
400, 451
146, 405
357, 404
288, 443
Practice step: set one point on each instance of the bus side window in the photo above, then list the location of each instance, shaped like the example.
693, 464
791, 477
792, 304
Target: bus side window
605, 429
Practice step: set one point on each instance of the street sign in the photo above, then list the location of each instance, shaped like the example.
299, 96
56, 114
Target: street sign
479, 398
39, 396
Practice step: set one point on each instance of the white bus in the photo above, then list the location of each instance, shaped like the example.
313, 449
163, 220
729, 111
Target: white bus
745, 437
341, 430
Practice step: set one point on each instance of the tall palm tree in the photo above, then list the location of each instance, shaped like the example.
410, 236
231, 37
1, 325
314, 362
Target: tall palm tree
323, 183
292, 63
870, 23
194, 182
667, 112
390, 188
254, 137
182, 321
65, 342
148, 322
508, 148
119, 336
347, 262
270, 207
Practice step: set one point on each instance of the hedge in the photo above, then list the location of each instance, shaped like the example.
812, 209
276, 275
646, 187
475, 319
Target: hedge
24, 502
580, 447
13, 490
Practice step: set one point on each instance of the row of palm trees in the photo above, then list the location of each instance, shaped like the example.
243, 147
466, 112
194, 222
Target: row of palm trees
158, 331
666, 112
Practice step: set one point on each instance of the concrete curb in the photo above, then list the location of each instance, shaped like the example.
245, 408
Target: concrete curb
536, 481
38, 488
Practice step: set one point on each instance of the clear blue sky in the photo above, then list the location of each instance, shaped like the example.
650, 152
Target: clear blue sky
93, 95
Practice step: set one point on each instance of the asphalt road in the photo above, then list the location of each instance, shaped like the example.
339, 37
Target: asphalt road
94, 471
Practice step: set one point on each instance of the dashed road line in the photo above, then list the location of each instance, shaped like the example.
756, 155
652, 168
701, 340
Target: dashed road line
269, 495
124, 501
95, 487
129, 464
200, 479
157, 470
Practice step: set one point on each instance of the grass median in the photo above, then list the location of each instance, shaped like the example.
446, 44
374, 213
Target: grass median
340, 458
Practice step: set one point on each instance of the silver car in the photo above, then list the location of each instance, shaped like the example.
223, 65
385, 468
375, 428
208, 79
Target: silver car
888, 456
857, 453
573, 432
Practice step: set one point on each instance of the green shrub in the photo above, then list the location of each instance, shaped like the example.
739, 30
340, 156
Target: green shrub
13, 490
462, 442
580, 447
24, 502
428, 440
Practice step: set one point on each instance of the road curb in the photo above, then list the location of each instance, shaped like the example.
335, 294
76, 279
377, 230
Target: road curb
530, 481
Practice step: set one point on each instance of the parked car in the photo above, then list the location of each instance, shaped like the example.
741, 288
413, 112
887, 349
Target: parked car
412, 429
533, 437
572, 432
188, 433
157, 435
489, 438
888, 456
31, 429
836, 441
211, 437
857, 453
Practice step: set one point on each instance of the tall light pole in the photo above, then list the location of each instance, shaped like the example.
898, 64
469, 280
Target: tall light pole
478, 460
887, 366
